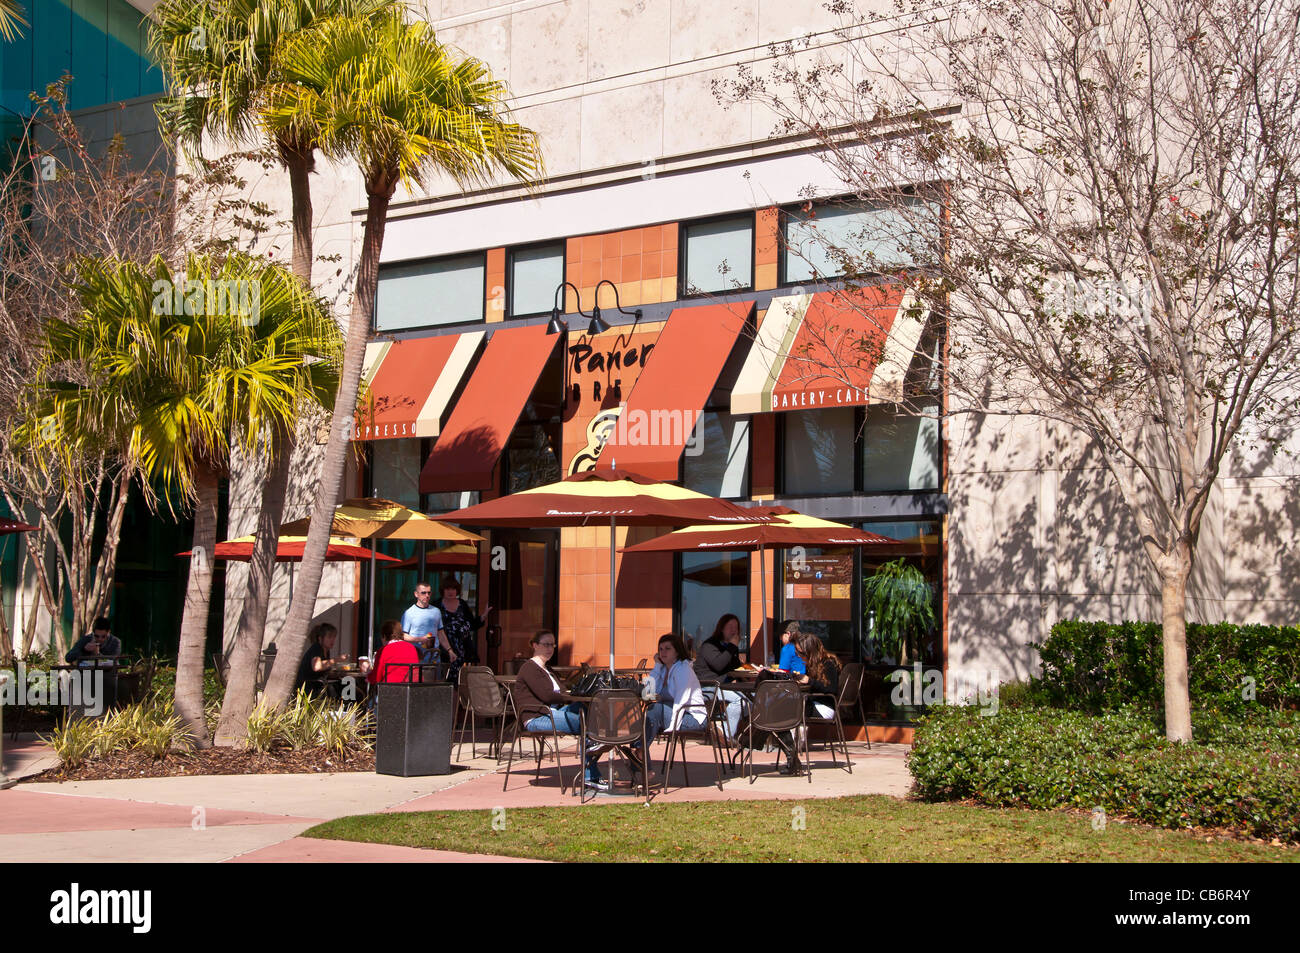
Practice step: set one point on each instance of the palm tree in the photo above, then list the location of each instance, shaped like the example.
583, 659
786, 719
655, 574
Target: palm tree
385, 93
175, 379
11, 17
219, 59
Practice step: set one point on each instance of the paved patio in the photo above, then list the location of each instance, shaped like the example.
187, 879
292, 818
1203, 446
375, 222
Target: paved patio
258, 818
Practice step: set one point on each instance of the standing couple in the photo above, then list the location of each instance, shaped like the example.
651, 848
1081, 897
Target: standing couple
450, 625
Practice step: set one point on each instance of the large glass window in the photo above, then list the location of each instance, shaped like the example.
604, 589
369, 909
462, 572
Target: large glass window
819, 448
829, 240
718, 255
535, 273
714, 584
531, 457
917, 542
716, 459
428, 293
900, 451
817, 592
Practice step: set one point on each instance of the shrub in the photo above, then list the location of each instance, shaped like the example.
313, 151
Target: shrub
1118, 761
74, 741
1099, 666
307, 723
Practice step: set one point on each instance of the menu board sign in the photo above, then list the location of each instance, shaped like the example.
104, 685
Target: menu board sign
819, 588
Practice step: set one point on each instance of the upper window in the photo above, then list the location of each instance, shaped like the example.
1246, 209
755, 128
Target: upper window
829, 241
715, 461
535, 273
900, 451
819, 448
424, 294
718, 255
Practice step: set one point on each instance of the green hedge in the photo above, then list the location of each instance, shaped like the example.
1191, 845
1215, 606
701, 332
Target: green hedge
1100, 666
1242, 774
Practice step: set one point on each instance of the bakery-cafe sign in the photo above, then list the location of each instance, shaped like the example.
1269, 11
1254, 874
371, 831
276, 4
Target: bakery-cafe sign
823, 397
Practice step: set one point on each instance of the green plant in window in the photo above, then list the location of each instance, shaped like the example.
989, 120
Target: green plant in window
898, 604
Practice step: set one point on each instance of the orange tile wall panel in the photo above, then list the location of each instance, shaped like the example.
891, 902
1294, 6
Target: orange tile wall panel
641, 262
496, 284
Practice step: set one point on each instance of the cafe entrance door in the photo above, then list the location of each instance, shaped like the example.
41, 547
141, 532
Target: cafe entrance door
523, 587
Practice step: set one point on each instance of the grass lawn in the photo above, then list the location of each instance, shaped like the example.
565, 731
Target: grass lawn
867, 828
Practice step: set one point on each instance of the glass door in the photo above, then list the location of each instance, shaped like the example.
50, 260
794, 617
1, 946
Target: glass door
523, 587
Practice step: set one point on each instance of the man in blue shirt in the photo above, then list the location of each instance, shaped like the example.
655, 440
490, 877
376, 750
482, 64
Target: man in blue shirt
422, 624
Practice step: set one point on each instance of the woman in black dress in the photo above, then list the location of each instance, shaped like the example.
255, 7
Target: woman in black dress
461, 625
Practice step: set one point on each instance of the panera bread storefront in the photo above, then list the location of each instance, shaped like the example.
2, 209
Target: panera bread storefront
770, 396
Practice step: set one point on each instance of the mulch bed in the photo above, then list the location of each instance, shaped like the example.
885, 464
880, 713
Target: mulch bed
139, 764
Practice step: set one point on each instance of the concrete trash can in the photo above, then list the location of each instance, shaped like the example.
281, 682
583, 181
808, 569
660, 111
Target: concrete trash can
414, 728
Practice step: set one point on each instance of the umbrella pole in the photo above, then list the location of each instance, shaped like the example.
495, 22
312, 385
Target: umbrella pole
762, 589
372, 601
612, 588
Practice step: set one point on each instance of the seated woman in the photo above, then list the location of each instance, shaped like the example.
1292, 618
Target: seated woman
680, 702
823, 677
391, 663
318, 658
790, 660
541, 705
717, 656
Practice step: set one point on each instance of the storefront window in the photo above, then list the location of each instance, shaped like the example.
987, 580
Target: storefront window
714, 584
719, 255
395, 471
819, 451
428, 293
535, 273
531, 459
817, 592
716, 460
900, 451
918, 544
830, 240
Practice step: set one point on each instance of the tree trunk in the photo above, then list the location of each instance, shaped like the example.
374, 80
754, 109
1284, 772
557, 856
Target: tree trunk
299, 163
198, 594
1175, 568
241, 678
292, 640
245, 651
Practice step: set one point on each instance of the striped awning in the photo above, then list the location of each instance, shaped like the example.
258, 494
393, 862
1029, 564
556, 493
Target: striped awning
410, 382
830, 349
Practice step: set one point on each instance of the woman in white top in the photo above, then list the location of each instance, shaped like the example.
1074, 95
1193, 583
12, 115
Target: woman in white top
680, 702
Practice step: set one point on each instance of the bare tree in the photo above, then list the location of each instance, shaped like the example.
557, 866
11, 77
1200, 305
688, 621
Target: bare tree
1101, 198
64, 200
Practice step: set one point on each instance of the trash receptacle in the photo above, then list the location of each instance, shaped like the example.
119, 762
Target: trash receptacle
414, 728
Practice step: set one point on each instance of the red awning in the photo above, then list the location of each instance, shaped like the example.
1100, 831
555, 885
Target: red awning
665, 404
410, 382
830, 349
469, 446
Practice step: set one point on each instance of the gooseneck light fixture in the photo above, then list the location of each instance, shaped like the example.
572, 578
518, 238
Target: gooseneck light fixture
598, 324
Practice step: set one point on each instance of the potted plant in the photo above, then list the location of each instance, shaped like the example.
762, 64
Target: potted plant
898, 604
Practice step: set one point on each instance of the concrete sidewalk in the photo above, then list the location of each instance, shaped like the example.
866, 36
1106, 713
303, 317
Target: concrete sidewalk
258, 818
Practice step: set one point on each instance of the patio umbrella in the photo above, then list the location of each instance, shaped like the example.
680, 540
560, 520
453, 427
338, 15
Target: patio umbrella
375, 518
791, 528
605, 496
289, 550
455, 556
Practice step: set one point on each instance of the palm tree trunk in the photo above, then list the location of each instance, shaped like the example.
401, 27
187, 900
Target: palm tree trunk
241, 678
292, 640
198, 594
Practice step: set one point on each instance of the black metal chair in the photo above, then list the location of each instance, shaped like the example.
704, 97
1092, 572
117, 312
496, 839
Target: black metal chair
615, 718
539, 742
706, 734
849, 684
778, 708
479, 696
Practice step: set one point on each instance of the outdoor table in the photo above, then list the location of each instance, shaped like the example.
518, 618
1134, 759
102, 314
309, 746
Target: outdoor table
108, 664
